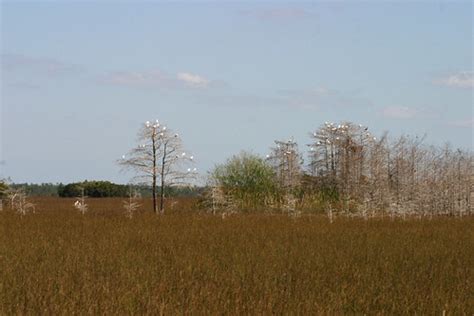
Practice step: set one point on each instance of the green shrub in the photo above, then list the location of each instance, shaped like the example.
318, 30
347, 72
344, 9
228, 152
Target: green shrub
247, 178
3, 188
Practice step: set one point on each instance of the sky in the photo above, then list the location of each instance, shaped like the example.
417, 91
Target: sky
78, 79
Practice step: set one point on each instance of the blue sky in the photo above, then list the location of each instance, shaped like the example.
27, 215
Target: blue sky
78, 78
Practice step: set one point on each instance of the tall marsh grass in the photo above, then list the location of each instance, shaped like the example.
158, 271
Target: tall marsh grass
58, 261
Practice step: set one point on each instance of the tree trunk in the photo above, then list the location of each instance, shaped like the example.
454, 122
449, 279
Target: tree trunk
155, 206
162, 197
162, 189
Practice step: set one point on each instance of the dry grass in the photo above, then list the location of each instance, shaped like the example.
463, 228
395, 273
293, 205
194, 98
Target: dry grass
59, 262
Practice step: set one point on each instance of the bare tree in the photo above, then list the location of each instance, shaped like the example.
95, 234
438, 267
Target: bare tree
19, 201
159, 158
131, 204
402, 177
287, 162
81, 204
339, 153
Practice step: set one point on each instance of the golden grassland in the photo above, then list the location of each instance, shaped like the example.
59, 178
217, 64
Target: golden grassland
57, 261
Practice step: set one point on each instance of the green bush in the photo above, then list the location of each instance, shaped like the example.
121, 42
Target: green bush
247, 178
3, 188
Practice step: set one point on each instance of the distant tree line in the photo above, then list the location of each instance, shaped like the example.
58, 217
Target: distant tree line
33, 189
95, 189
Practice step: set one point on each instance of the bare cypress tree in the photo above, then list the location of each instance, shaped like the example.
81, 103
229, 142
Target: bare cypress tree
159, 158
287, 162
403, 177
19, 201
339, 153
81, 204
131, 204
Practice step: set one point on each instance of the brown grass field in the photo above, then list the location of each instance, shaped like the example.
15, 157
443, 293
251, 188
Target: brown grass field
57, 261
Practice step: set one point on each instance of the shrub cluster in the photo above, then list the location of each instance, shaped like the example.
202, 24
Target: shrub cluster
93, 189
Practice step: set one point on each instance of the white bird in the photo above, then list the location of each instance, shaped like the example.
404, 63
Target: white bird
156, 121
268, 156
147, 123
192, 157
123, 156
183, 154
194, 169
189, 169
164, 128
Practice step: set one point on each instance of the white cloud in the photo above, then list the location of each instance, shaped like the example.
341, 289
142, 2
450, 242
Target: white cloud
463, 79
156, 79
192, 79
399, 112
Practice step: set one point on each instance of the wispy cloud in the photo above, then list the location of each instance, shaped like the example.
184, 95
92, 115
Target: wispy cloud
42, 66
321, 97
192, 79
156, 79
242, 101
278, 14
399, 112
23, 85
463, 79
469, 123
318, 98
139, 79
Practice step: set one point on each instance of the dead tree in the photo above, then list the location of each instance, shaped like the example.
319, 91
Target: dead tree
131, 204
339, 153
287, 162
81, 204
159, 159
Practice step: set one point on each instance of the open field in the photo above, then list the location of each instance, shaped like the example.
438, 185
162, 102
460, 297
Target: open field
59, 262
